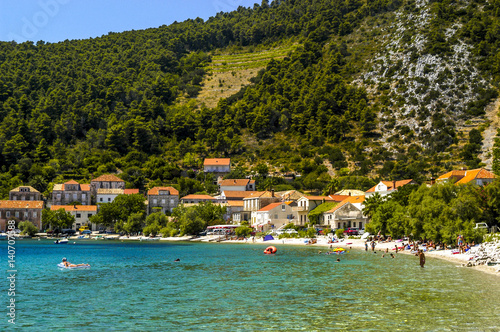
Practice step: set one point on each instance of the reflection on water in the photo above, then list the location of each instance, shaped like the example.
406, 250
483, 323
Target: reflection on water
220, 287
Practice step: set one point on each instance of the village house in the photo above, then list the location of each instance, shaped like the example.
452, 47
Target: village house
256, 201
163, 199
384, 188
25, 193
235, 210
217, 165
71, 192
20, 210
82, 214
237, 185
272, 216
478, 177
348, 213
106, 181
306, 204
109, 195
196, 199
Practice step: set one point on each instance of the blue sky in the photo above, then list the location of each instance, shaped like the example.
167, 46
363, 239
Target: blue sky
58, 20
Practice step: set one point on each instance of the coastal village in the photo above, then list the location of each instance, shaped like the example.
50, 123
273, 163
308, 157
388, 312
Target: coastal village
261, 210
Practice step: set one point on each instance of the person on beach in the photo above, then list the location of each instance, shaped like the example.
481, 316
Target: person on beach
373, 245
338, 259
366, 246
396, 246
421, 255
392, 255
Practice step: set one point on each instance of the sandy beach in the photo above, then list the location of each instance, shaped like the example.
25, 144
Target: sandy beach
322, 242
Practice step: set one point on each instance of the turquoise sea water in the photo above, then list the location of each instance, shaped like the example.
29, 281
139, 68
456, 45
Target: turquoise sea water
137, 286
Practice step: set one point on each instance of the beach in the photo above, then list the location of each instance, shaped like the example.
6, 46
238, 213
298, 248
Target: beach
380, 247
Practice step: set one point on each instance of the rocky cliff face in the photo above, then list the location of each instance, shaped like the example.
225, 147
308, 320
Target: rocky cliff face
425, 77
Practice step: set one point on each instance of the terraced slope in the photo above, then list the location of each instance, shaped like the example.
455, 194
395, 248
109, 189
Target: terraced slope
229, 72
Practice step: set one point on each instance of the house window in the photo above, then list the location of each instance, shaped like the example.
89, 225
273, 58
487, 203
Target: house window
32, 198
162, 201
154, 201
89, 215
171, 201
275, 216
58, 197
7, 214
75, 197
84, 196
14, 198
109, 199
283, 207
34, 214
78, 215
67, 196
26, 215
17, 214
23, 198
100, 199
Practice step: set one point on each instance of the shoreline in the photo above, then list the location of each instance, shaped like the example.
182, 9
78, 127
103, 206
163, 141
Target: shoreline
322, 242
447, 255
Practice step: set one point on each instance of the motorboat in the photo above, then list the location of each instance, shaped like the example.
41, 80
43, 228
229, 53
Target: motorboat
61, 241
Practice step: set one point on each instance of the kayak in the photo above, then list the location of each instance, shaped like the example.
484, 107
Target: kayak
62, 266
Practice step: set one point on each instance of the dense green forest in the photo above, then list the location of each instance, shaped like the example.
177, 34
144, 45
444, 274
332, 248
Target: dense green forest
81, 108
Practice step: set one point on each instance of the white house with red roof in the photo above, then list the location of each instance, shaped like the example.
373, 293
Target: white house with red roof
217, 165
106, 181
478, 177
20, 211
163, 199
71, 192
237, 185
348, 213
196, 199
82, 214
109, 195
384, 188
273, 215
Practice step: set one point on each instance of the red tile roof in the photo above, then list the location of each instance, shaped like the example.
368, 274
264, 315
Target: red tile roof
241, 194
21, 204
156, 191
217, 161
32, 190
85, 187
235, 203
107, 178
206, 197
480, 173
69, 208
130, 191
235, 182
272, 206
390, 184
71, 182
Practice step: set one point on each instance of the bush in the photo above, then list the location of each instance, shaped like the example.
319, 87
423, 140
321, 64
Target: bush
243, 231
28, 228
339, 233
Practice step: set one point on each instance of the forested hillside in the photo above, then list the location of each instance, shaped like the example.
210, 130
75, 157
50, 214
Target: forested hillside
81, 108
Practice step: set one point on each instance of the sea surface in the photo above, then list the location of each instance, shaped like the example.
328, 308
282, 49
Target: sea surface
137, 286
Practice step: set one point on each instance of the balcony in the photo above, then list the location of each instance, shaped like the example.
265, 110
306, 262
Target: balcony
299, 208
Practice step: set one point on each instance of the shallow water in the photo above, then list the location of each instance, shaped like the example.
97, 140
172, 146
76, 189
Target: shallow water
220, 287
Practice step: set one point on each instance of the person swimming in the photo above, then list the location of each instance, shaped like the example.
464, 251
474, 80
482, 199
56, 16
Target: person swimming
68, 264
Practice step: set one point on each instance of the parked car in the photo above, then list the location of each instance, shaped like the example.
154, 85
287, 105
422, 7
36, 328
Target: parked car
87, 231
351, 231
68, 231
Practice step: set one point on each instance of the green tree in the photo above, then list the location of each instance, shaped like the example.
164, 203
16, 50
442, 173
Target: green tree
28, 228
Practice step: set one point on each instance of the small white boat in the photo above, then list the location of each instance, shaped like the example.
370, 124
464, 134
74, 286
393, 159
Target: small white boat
147, 238
3, 236
62, 241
